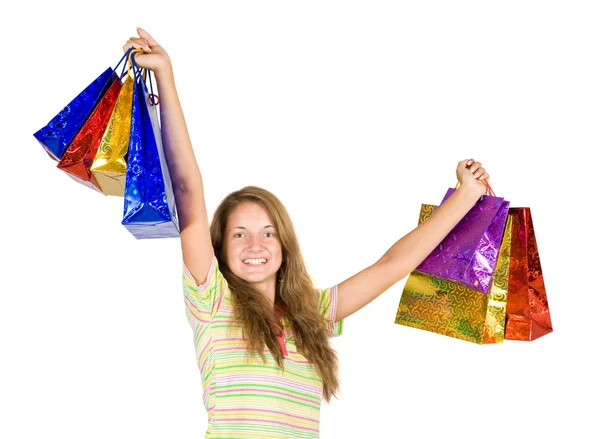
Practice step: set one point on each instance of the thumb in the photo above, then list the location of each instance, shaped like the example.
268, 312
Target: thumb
145, 35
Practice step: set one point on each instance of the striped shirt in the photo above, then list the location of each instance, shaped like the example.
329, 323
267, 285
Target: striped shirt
244, 397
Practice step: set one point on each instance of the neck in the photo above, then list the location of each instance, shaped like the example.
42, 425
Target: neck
267, 289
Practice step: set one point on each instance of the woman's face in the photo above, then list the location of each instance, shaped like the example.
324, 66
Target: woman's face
252, 245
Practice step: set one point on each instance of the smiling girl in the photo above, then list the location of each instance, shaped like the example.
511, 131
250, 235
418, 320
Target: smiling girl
260, 327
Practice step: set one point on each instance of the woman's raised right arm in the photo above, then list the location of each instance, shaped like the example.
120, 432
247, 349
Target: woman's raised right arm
185, 174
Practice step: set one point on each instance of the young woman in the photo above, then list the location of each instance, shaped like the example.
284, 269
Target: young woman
260, 328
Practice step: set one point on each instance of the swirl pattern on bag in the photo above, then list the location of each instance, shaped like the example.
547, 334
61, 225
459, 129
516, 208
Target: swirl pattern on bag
109, 166
445, 307
77, 159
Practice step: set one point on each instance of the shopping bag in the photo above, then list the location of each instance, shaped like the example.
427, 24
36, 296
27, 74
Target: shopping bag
527, 311
58, 134
60, 131
449, 308
79, 155
109, 165
469, 253
149, 209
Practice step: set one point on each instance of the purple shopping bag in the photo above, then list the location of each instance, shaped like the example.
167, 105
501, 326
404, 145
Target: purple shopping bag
469, 253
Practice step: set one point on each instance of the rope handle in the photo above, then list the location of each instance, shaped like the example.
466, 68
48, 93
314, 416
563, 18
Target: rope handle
125, 56
143, 75
129, 67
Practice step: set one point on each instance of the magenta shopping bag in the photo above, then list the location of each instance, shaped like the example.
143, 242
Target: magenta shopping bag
469, 253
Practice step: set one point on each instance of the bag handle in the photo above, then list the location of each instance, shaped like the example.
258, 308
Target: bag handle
142, 75
125, 55
129, 66
487, 185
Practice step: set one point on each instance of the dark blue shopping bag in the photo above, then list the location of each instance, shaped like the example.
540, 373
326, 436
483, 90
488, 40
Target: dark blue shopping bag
149, 210
57, 135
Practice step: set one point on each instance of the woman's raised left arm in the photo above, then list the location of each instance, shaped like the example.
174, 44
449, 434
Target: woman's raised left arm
410, 250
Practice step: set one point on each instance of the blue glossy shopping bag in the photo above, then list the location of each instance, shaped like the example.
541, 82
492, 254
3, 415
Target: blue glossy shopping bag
58, 134
149, 210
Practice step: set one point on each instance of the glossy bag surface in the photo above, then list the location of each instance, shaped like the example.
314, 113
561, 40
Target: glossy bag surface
58, 134
109, 166
77, 159
527, 311
469, 253
149, 209
449, 308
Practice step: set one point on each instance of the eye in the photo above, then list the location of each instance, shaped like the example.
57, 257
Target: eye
238, 235
269, 234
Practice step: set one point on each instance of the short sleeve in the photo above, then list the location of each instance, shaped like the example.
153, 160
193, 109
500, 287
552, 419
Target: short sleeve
328, 300
203, 300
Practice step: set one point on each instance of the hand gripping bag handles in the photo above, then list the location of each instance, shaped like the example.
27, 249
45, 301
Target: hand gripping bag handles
149, 209
79, 155
58, 134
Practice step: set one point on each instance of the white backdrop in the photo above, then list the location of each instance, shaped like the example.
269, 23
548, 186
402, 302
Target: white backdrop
353, 113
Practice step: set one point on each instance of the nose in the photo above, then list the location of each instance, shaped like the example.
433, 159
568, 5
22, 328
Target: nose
254, 244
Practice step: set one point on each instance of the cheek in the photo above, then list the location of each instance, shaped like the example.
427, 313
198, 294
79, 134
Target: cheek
233, 250
276, 250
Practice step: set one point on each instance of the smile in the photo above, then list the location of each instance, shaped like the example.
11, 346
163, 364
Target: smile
254, 261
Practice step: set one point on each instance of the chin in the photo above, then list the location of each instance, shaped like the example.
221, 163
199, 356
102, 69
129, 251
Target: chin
255, 277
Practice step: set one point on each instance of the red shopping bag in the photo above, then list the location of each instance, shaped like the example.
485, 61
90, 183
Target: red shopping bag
79, 156
527, 312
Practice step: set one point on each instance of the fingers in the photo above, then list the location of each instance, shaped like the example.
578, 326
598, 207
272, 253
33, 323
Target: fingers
467, 163
137, 43
143, 41
145, 35
476, 169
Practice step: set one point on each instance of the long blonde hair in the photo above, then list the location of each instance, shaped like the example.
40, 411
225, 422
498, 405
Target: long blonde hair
294, 294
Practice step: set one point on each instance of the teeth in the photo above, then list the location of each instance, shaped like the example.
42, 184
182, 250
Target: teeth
255, 261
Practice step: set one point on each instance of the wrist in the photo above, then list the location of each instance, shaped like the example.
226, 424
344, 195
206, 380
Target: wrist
164, 73
472, 191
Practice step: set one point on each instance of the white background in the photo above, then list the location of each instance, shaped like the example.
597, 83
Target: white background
353, 113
